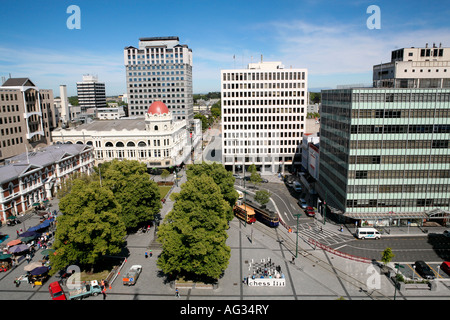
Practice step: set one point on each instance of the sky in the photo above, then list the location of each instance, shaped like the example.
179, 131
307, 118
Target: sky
332, 39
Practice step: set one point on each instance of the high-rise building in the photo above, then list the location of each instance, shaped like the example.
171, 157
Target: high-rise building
263, 116
384, 152
160, 69
26, 118
91, 93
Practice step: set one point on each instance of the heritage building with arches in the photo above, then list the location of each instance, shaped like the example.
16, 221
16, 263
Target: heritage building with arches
31, 177
157, 140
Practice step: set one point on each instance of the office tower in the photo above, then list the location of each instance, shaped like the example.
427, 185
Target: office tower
263, 115
160, 69
91, 93
26, 117
427, 67
384, 152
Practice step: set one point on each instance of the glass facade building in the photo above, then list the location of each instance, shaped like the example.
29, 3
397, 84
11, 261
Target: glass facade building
384, 155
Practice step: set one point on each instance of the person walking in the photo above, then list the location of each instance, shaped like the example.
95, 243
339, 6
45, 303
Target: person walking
177, 293
104, 292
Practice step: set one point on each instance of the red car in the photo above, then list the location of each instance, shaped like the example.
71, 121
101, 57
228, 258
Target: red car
310, 211
446, 267
56, 292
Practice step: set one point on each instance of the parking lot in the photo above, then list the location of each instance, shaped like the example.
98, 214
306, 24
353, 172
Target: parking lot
408, 271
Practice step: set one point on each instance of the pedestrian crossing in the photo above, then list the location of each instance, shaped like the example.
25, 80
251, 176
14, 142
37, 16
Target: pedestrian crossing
323, 235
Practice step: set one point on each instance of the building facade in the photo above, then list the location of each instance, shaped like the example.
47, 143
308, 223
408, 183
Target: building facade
158, 140
160, 69
385, 156
91, 93
27, 116
31, 177
263, 116
427, 67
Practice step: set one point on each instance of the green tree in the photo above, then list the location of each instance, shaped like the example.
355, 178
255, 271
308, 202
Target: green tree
262, 197
193, 234
387, 256
255, 178
165, 174
90, 227
223, 178
137, 194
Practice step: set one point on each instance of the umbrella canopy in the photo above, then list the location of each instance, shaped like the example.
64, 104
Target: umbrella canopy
38, 271
47, 252
35, 204
27, 234
4, 256
18, 248
28, 239
11, 217
32, 266
14, 242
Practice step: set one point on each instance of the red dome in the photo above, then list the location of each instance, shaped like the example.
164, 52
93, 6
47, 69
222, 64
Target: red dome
158, 107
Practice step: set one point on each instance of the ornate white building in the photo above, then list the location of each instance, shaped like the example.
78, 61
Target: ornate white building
157, 140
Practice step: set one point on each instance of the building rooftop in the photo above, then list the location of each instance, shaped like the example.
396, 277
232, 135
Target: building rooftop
18, 165
18, 82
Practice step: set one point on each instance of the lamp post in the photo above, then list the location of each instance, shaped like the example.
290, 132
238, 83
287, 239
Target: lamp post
296, 242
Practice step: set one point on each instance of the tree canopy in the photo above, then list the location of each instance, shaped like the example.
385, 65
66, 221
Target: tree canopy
223, 178
133, 189
193, 234
89, 228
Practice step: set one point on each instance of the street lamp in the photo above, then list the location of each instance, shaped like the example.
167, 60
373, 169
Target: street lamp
296, 243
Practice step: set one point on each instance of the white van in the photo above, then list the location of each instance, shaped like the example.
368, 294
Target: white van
367, 233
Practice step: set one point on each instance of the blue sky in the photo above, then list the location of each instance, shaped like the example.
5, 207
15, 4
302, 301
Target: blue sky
329, 38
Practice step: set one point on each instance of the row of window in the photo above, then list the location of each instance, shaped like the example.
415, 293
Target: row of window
274, 142
398, 174
399, 144
403, 159
359, 129
440, 202
262, 118
400, 188
394, 97
262, 110
270, 126
261, 94
269, 85
401, 113
261, 151
254, 102
260, 75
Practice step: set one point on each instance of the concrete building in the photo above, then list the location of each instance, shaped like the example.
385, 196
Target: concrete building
27, 117
91, 93
263, 116
110, 113
427, 67
160, 69
31, 177
158, 140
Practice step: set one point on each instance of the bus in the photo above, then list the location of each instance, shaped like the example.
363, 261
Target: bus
245, 213
265, 216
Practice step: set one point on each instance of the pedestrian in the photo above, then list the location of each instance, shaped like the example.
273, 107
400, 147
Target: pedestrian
17, 231
151, 252
177, 294
341, 229
146, 254
104, 293
293, 260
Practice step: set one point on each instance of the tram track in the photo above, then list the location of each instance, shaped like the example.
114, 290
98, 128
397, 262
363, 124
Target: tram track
290, 246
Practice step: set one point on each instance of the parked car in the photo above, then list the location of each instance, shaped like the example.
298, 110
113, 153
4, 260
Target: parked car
424, 270
297, 186
132, 275
56, 291
85, 290
445, 266
310, 213
302, 203
236, 176
446, 233
263, 180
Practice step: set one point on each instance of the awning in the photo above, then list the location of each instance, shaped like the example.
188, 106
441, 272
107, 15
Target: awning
386, 215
